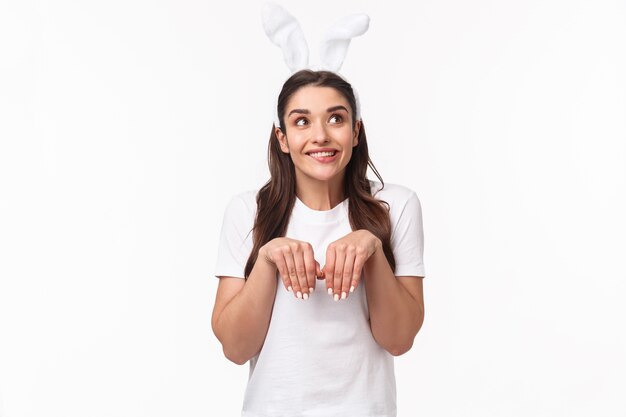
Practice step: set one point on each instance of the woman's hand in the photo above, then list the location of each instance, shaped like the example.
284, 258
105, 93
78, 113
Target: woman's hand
295, 263
345, 259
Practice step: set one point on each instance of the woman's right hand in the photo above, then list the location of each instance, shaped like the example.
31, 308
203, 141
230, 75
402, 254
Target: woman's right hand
295, 263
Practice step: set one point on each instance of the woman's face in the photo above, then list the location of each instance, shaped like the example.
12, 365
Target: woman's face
319, 136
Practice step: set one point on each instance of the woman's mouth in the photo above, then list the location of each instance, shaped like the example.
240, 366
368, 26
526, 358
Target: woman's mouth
324, 157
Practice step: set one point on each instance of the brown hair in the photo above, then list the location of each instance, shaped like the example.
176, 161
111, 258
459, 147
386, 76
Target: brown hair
275, 200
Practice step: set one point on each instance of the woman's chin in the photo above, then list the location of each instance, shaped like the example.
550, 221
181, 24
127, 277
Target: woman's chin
325, 175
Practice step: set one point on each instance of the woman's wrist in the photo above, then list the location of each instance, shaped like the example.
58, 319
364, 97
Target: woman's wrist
378, 244
262, 257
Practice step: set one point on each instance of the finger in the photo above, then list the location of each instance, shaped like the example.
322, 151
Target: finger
319, 273
340, 260
348, 267
310, 266
329, 268
279, 261
298, 258
291, 270
359, 262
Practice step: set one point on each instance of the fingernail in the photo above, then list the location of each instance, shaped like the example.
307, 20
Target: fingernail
288, 289
299, 294
305, 296
343, 295
311, 289
330, 291
352, 288
336, 297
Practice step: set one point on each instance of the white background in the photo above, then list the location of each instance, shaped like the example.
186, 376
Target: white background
126, 126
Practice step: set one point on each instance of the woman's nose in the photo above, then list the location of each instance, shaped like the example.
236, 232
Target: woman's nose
319, 133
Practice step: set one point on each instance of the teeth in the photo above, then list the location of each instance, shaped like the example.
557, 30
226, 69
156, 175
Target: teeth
321, 154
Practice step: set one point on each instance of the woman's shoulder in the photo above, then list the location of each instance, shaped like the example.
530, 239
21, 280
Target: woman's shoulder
391, 192
243, 201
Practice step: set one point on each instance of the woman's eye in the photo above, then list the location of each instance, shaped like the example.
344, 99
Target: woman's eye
334, 116
337, 116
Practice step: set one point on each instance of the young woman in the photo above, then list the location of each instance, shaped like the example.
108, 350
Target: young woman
319, 222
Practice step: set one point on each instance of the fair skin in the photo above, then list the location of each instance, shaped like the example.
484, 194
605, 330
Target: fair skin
320, 117
315, 118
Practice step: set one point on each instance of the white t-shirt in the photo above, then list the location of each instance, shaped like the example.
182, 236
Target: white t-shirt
319, 357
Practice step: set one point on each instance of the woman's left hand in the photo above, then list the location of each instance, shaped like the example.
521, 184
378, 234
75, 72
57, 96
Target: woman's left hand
345, 259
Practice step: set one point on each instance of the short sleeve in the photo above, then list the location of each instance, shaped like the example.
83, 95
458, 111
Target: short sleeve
407, 238
235, 242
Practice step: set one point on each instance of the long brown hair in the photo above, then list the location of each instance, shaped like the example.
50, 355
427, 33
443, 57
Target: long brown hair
275, 200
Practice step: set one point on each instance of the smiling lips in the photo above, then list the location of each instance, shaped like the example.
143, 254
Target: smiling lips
324, 156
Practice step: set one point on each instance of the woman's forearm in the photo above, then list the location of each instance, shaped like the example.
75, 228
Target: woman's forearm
395, 317
243, 323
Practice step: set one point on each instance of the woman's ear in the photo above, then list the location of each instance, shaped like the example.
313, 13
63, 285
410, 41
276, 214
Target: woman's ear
282, 140
357, 128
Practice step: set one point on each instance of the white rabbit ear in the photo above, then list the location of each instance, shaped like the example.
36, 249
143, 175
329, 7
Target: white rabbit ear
284, 30
335, 44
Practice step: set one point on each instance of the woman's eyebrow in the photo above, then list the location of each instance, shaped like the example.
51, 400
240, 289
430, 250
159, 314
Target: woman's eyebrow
328, 110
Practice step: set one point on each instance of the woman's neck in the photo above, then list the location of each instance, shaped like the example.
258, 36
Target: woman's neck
320, 195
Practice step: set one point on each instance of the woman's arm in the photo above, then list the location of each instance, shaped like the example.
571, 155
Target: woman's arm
396, 304
242, 315
241, 323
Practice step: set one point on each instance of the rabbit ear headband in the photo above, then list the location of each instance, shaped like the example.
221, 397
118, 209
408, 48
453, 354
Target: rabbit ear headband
284, 30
